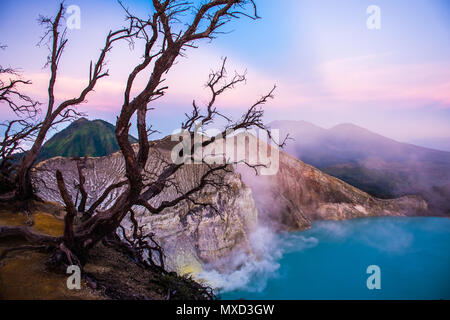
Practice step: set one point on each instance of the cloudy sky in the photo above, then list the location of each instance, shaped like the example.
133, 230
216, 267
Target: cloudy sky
329, 67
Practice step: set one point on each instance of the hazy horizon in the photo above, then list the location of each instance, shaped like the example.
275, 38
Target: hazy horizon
161, 135
328, 66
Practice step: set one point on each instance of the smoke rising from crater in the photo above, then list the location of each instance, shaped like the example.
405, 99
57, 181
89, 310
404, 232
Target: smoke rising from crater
251, 272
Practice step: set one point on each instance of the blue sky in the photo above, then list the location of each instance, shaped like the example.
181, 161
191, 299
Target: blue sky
328, 66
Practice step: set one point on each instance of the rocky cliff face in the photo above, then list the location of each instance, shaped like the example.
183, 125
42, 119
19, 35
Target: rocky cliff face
190, 237
289, 200
300, 193
378, 165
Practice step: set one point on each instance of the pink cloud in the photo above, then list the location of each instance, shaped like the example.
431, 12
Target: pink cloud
340, 83
369, 79
106, 94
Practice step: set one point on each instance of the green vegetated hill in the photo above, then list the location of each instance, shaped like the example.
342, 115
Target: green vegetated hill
83, 138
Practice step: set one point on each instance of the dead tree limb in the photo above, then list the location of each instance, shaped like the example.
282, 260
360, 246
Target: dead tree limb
162, 46
71, 212
81, 182
55, 38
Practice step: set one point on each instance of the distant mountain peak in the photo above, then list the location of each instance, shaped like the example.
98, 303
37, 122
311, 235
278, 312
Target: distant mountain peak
81, 120
299, 123
348, 125
354, 129
372, 162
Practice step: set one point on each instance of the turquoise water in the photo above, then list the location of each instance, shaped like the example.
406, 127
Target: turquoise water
330, 260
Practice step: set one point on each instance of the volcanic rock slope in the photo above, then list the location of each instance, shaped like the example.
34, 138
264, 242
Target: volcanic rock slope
190, 237
383, 167
299, 193
289, 200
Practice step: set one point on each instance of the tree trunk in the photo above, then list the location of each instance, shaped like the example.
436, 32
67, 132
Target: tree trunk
24, 190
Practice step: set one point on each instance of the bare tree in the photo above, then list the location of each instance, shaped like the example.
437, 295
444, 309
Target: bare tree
55, 38
165, 39
18, 132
